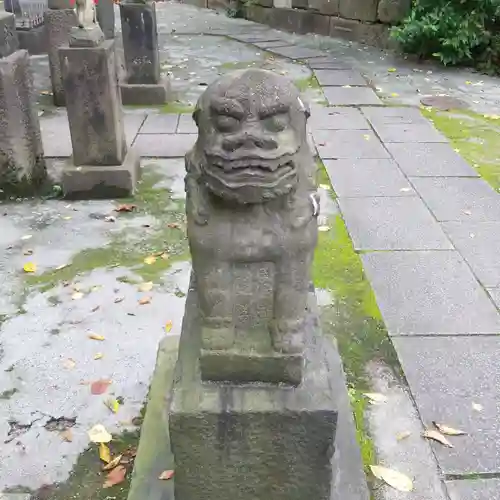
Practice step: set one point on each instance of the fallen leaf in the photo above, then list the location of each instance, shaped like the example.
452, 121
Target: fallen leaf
325, 187
323, 229
144, 301
29, 267
477, 407
150, 260
116, 476
168, 325
68, 217
375, 397
110, 218
100, 386
394, 94
436, 436
28, 252
119, 299
467, 212
346, 86
104, 453
448, 431
125, 208
27, 237
99, 434
94, 309
174, 225
112, 404
393, 478
113, 463
69, 364
67, 435
145, 287
367, 137
98, 355
403, 435
62, 266
166, 475
77, 295
94, 336
468, 82
59, 424
392, 70
405, 190
165, 256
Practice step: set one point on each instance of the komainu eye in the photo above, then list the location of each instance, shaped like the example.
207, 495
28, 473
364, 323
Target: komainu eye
226, 123
276, 123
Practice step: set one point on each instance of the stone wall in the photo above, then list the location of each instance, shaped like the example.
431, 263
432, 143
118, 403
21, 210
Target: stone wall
366, 21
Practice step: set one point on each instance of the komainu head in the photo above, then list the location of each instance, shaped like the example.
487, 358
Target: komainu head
252, 136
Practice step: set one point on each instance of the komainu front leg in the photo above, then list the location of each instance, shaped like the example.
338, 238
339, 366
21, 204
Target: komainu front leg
290, 303
216, 302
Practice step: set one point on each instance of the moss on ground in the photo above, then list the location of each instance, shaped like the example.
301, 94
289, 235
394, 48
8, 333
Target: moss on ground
310, 82
474, 136
366, 446
177, 108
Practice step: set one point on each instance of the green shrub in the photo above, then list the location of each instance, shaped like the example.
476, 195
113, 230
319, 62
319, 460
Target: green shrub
454, 31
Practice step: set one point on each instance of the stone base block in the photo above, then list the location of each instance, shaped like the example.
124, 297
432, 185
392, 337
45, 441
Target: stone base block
8, 41
251, 442
145, 94
33, 40
105, 12
371, 34
91, 182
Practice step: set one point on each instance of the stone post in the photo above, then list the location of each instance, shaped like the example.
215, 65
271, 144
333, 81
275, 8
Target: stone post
144, 84
252, 412
105, 11
101, 166
22, 166
59, 20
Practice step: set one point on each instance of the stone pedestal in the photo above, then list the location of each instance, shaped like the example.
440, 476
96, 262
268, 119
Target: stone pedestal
105, 12
143, 83
22, 167
101, 166
34, 40
58, 23
251, 442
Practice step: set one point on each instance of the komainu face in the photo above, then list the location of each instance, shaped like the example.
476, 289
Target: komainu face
252, 126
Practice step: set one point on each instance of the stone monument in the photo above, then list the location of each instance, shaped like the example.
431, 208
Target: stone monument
252, 414
143, 83
22, 166
59, 20
101, 166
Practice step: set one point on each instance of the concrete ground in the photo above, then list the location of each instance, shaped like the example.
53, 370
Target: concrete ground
422, 222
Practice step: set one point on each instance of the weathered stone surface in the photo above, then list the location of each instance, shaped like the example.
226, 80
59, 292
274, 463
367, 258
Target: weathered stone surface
359, 178
362, 10
297, 21
218, 4
22, 166
297, 52
473, 489
282, 4
337, 118
409, 132
59, 4
328, 7
8, 37
381, 116
93, 105
144, 94
271, 44
186, 125
164, 145
372, 34
105, 13
33, 40
348, 144
241, 176
58, 24
255, 426
495, 296
382, 224
140, 42
300, 4
339, 77
160, 124
447, 376
430, 160
429, 293
444, 103
459, 199
393, 11
479, 244
354, 96
91, 36
265, 3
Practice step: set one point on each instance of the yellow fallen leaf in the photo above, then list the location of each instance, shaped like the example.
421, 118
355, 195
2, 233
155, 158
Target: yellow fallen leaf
165, 256
98, 355
67, 435
29, 267
366, 137
375, 397
394, 94
145, 287
104, 453
62, 266
449, 431
324, 229
403, 435
436, 436
392, 477
112, 404
392, 70
77, 295
468, 82
68, 217
326, 187
99, 434
168, 325
144, 301
95, 336
113, 463
150, 260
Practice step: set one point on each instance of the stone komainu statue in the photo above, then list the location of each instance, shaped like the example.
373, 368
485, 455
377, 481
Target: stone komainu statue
252, 213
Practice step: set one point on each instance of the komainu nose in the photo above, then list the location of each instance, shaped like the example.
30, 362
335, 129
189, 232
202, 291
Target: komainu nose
249, 141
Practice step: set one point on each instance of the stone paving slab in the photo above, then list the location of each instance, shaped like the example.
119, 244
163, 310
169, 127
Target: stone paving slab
409, 132
474, 489
164, 145
326, 63
271, 44
186, 125
430, 160
360, 177
339, 77
447, 376
295, 52
495, 296
353, 96
393, 115
337, 118
160, 124
392, 223
479, 244
459, 199
429, 293
348, 144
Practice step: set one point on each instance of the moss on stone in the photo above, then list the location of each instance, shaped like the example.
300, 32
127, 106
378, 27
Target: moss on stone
366, 446
310, 82
474, 136
176, 108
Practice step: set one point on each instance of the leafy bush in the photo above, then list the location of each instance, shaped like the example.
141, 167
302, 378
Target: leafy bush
454, 31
